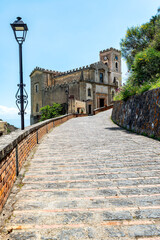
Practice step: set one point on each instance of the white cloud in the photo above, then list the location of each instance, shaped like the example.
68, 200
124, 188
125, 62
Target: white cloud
8, 111
10, 115
11, 112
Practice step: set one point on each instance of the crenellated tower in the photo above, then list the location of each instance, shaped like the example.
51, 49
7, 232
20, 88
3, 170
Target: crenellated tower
112, 58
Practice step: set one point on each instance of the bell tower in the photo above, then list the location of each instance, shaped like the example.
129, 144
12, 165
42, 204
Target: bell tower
112, 58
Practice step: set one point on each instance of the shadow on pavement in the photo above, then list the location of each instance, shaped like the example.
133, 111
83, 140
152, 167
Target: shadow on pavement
128, 132
121, 129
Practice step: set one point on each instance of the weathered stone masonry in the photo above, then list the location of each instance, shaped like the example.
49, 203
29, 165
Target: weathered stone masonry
139, 113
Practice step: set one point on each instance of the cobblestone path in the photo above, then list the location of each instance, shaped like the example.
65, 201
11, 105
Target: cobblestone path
90, 179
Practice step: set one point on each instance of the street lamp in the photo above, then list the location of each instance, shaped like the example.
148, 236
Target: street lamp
20, 30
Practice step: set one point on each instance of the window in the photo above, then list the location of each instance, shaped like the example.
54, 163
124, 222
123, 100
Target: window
36, 88
89, 92
114, 80
37, 107
116, 64
116, 58
101, 77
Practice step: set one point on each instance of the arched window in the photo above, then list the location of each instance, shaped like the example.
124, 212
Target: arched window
36, 87
114, 80
89, 92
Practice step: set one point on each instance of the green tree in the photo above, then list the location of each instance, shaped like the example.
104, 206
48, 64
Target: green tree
48, 112
156, 41
146, 66
137, 39
141, 49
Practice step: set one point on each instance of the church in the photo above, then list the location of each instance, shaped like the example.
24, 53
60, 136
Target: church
80, 90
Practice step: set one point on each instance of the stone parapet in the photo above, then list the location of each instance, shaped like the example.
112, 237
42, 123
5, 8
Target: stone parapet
140, 114
8, 142
16, 147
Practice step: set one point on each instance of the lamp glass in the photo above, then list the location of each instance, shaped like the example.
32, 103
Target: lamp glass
19, 28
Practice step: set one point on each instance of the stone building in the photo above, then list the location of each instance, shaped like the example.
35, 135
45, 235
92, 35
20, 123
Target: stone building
3, 128
80, 90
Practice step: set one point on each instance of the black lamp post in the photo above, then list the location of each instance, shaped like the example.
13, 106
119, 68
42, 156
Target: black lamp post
20, 30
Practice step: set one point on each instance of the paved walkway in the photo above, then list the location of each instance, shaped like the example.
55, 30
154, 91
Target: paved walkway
90, 179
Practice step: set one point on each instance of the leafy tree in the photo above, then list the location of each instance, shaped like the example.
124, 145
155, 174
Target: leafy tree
45, 113
48, 112
141, 49
146, 66
156, 41
137, 39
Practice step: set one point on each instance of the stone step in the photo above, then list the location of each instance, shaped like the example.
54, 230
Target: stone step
103, 231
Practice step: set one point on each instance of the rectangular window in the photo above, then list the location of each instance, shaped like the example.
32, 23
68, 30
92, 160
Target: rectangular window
37, 107
101, 77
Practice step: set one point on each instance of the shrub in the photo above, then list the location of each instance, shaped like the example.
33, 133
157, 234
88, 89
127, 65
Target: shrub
155, 84
128, 90
48, 112
125, 92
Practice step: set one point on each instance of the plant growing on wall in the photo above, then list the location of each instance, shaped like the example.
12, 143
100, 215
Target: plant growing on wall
48, 112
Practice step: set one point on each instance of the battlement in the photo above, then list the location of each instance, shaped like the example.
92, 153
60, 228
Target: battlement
77, 69
110, 49
73, 71
59, 74
45, 70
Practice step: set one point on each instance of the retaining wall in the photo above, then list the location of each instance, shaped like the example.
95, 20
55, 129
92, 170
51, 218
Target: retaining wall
140, 114
15, 148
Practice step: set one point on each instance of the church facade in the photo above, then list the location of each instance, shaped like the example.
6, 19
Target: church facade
79, 90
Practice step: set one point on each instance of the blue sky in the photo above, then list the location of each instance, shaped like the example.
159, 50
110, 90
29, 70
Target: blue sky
63, 34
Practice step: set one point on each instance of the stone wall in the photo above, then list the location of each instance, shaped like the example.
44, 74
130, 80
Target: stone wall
57, 93
139, 113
